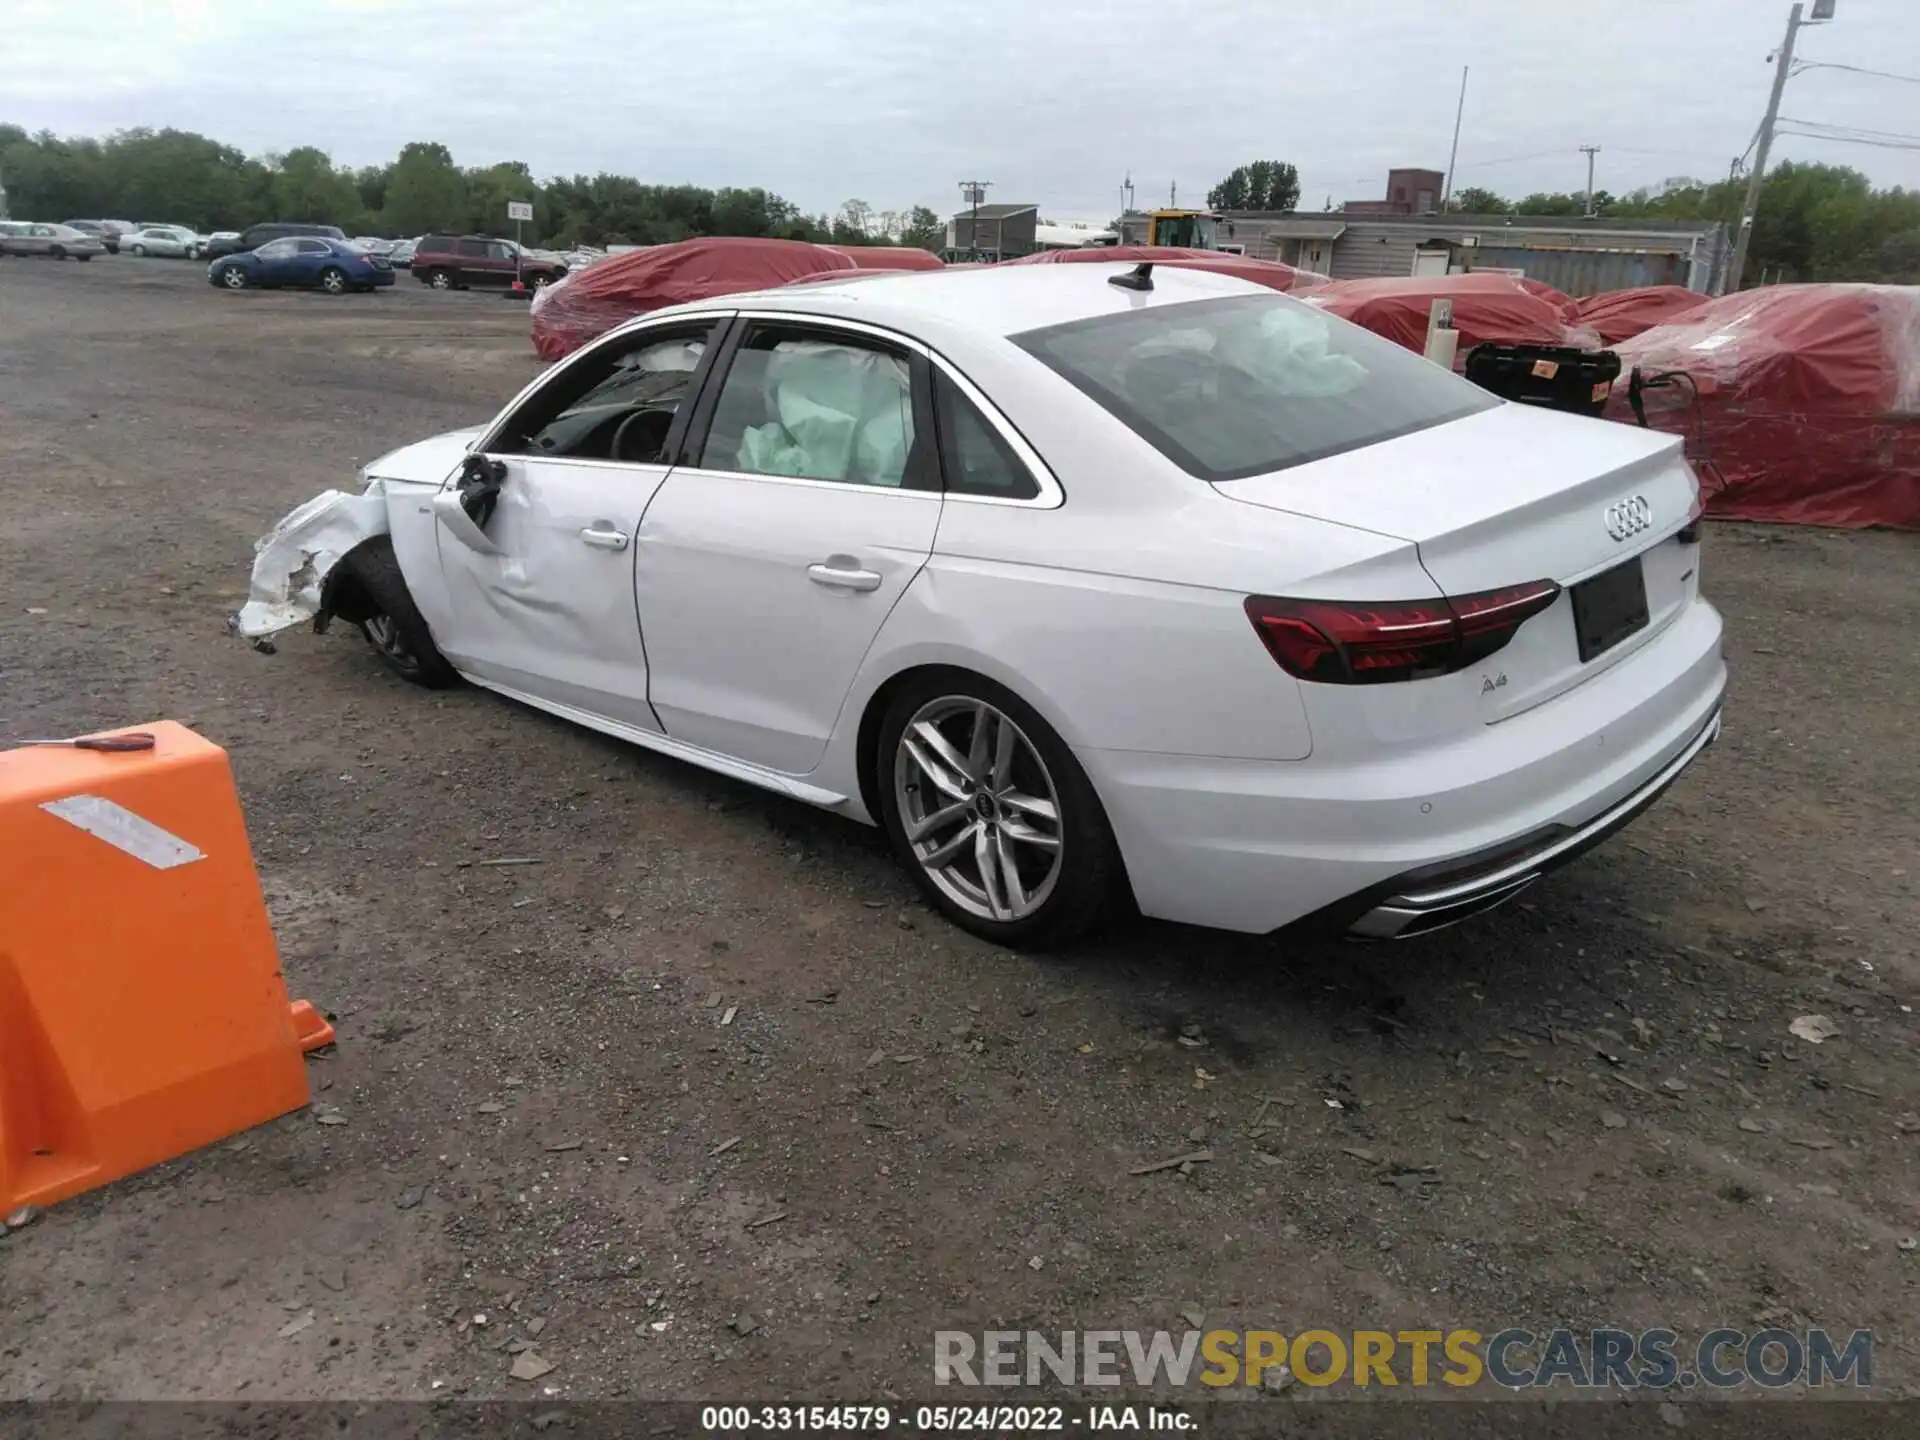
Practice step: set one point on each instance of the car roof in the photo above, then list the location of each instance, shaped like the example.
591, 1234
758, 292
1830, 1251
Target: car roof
997, 300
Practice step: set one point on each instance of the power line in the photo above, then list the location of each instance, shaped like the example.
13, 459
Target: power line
1800, 65
1515, 159
1848, 130
1854, 140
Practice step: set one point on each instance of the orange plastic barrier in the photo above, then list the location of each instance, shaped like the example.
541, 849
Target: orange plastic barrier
142, 1011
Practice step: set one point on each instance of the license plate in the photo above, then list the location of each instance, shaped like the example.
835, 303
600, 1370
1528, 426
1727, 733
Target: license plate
1609, 607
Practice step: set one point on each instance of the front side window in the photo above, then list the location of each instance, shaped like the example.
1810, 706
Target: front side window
811, 406
616, 405
1255, 383
497, 251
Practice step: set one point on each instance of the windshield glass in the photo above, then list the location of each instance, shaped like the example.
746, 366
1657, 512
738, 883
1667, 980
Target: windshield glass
1242, 386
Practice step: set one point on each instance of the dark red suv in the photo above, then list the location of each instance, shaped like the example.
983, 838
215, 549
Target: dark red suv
455, 262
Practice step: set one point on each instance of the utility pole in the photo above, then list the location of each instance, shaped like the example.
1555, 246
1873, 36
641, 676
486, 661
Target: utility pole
1783, 64
1446, 191
973, 192
1589, 151
1173, 196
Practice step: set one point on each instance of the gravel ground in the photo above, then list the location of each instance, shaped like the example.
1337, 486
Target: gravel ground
550, 1124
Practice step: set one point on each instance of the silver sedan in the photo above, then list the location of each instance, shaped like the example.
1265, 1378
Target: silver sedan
58, 241
172, 242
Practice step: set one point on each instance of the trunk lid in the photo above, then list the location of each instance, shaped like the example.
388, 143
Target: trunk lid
1500, 498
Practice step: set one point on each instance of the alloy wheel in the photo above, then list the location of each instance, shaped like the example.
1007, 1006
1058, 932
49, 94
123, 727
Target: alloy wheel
333, 282
979, 809
440, 280
385, 637
233, 278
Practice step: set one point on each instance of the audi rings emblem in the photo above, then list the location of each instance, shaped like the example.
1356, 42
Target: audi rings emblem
1629, 517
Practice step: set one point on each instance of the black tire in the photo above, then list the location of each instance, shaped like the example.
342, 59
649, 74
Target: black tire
58, 252
83, 258
1091, 877
373, 594
333, 280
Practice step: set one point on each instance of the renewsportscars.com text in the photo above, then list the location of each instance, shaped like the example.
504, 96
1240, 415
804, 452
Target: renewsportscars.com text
1514, 1358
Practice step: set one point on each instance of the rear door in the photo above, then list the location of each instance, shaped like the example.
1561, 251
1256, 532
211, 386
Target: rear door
769, 560
470, 260
540, 591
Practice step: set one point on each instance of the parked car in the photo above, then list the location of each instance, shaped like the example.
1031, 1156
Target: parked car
255, 236
457, 262
401, 256
374, 245
1074, 579
57, 241
302, 262
106, 234
173, 242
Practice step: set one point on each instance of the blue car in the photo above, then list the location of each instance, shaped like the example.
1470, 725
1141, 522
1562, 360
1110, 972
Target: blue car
304, 262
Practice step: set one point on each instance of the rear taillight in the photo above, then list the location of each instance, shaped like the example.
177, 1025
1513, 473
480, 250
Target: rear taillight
1339, 642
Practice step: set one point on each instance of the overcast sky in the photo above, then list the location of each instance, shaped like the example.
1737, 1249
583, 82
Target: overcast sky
1054, 101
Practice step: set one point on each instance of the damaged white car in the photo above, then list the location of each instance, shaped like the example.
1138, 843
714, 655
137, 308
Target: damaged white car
1085, 582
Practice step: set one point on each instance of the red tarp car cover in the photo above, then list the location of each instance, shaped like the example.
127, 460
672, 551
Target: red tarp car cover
1564, 305
1809, 402
1270, 273
890, 257
1621, 314
593, 301
1496, 308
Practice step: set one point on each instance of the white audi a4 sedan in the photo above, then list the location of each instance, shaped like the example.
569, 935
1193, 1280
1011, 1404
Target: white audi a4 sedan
1088, 584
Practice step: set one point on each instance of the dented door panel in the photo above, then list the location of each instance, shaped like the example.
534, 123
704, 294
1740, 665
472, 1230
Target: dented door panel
552, 614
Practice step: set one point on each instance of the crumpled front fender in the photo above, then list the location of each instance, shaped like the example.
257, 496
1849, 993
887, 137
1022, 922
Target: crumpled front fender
291, 562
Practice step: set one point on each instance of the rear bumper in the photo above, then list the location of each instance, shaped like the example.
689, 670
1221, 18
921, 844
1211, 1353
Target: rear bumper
1428, 900
1258, 845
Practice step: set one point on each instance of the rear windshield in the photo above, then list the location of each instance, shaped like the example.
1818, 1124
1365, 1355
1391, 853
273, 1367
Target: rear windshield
1241, 386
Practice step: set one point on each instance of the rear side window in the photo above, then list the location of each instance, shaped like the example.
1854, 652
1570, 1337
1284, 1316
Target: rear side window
818, 406
1250, 384
975, 459
476, 248
436, 243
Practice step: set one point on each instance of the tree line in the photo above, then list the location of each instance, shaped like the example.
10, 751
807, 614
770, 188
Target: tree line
1814, 222
179, 177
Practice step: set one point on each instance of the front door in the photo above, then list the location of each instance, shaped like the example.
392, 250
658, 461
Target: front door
538, 558
278, 261
769, 561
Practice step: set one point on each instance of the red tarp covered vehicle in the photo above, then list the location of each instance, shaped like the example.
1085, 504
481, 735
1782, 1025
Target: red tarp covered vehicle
890, 257
1270, 273
1621, 314
592, 301
1809, 401
1498, 308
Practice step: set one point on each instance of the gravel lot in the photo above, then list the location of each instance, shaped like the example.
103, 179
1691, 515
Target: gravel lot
902, 1129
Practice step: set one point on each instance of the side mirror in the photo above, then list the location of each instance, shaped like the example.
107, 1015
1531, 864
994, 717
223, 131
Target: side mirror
449, 508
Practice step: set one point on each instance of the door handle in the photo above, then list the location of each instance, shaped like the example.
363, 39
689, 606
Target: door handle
844, 579
605, 537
